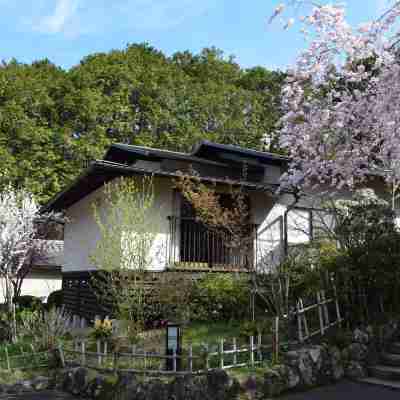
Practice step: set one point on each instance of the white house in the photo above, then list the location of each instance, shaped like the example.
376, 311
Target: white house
181, 243
44, 277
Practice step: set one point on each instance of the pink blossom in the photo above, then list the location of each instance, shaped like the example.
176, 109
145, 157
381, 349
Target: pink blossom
346, 125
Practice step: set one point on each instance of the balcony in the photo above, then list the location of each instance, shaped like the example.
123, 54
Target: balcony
193, 246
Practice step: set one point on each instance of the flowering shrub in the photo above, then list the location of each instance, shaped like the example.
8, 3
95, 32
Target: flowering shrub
102, 329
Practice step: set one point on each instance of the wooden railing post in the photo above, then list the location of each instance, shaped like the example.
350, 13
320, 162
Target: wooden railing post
99, 359
252, 351
234, 351
174, 360
325, 308
83, 355
221, 353
190, 358
275, 339
299, 323
259, 347
304, 318
320, 315
207, 357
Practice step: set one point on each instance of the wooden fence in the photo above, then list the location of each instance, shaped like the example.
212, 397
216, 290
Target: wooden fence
26, 359
325, 318
227, 353
311, 320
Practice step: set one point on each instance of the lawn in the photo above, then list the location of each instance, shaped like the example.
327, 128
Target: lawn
210, 332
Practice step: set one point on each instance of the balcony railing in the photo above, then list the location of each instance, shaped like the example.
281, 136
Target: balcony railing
193, 245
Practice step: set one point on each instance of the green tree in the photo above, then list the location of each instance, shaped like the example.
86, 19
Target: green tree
51, 120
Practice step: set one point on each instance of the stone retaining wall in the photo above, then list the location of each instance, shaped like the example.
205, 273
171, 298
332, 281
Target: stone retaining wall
300, 369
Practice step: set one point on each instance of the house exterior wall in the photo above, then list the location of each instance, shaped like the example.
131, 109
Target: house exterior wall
81, 232
281, 227
36, 284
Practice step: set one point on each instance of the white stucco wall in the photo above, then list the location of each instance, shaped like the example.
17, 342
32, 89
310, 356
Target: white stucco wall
38, 285
267, 210
81, 232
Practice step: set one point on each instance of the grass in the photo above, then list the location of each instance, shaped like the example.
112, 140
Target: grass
210, 332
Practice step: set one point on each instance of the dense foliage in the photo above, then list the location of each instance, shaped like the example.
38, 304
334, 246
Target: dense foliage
51, 120
366, 265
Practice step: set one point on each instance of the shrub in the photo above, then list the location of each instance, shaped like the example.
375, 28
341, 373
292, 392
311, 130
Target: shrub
55, 299
221, 297
30, 302
45, 328
254, 328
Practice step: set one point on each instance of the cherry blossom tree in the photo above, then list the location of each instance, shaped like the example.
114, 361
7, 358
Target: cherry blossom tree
20, 245
341, 122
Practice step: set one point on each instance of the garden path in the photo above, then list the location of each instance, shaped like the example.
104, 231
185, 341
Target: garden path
346, 390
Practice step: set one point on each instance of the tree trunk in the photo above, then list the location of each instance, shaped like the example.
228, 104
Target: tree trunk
11, 309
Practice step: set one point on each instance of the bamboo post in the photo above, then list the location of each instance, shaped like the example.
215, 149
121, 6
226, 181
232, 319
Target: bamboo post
221, 353
190, 357
304, 318
7, 358
83, 353
252, 351
276, 339
98, 345
300, 331
259, 347
105, 351
234, 351
325, 308
320, 315
207, 358
338, 316
33, 355
145, 359
174, 360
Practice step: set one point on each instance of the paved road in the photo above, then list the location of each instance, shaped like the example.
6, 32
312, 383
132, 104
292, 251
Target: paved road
346, 391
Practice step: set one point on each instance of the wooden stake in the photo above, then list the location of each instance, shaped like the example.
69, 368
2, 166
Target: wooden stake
174, 360
252, 351
300, 331
98, 344
320, 315
325, 308
83, 358
234, 351
190, 357
221, 353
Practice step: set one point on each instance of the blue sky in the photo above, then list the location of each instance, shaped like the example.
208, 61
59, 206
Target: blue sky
66, 30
